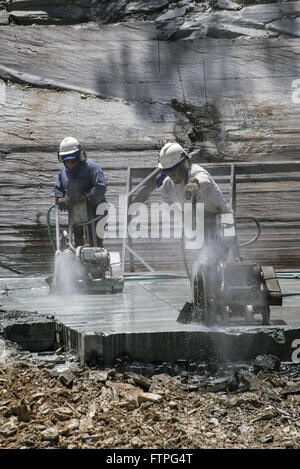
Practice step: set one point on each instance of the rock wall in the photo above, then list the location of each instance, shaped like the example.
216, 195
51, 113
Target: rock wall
220, 78
175, 20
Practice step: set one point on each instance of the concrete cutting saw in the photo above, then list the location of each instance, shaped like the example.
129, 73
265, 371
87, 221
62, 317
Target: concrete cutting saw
89, 267
226, 286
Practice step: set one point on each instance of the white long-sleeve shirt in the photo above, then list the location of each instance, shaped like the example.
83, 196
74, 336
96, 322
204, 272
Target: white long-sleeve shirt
209, 194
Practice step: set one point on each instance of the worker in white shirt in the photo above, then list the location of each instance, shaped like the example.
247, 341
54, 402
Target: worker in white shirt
182, 181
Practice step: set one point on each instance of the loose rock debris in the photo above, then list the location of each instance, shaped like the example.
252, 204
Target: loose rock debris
225, 406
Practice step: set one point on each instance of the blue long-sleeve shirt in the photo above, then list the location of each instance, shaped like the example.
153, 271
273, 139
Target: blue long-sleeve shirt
88, 179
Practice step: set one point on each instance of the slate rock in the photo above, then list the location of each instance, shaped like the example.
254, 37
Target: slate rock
72, 425
164, 368
4, 17
226, 5
225, 30
50, 15
76, 68
254, 384
226, 383
171, 14
267, 13
267, 439
8, 429
142, 381
266, 362
220, 25
291, 389
66, 378
145, 6
265, 416
99, 376
24, 4
5, 411
106, 11
50, 434
285, 26
255, 21
149, 397
136, 442
166, 29
22, 411
202, 369
63, 413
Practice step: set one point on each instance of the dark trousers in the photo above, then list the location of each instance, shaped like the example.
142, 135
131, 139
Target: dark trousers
78, 237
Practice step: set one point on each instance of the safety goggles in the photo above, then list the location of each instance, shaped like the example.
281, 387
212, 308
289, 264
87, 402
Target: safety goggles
72, 156
171, 170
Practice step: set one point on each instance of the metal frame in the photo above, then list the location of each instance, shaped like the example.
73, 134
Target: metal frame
147, 184
222, 172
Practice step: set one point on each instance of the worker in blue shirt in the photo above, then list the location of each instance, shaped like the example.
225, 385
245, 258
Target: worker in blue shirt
79, 179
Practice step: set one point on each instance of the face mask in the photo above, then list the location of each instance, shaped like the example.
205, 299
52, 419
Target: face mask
74, 171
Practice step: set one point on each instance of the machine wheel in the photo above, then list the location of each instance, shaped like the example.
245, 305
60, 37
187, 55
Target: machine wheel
199, 297
204, 311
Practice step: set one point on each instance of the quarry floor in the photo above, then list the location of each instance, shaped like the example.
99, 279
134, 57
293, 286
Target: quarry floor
145, 305
141, 322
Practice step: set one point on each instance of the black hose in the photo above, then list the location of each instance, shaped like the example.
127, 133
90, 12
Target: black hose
93, 220
290, 294
255, 238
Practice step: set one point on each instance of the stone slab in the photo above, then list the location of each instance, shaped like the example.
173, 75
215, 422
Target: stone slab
31, 331
141, 322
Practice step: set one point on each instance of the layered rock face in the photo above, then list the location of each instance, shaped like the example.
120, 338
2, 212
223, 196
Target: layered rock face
124, 77
175, 20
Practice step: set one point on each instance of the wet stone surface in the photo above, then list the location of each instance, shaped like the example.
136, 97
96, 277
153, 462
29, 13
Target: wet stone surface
141, 323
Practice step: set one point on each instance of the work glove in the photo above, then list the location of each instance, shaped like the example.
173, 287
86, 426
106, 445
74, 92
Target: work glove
77, 198
62, 204
191, 189
160, 179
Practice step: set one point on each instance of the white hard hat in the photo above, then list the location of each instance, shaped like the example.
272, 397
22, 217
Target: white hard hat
170, 155
69, 146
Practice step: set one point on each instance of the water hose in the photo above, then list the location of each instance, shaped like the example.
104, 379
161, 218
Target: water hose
290, 294
141, 276
189, 276
188, 273
169, 275
49, 227
99, 217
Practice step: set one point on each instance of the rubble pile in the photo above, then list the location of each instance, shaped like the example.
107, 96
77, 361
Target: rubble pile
52, 402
